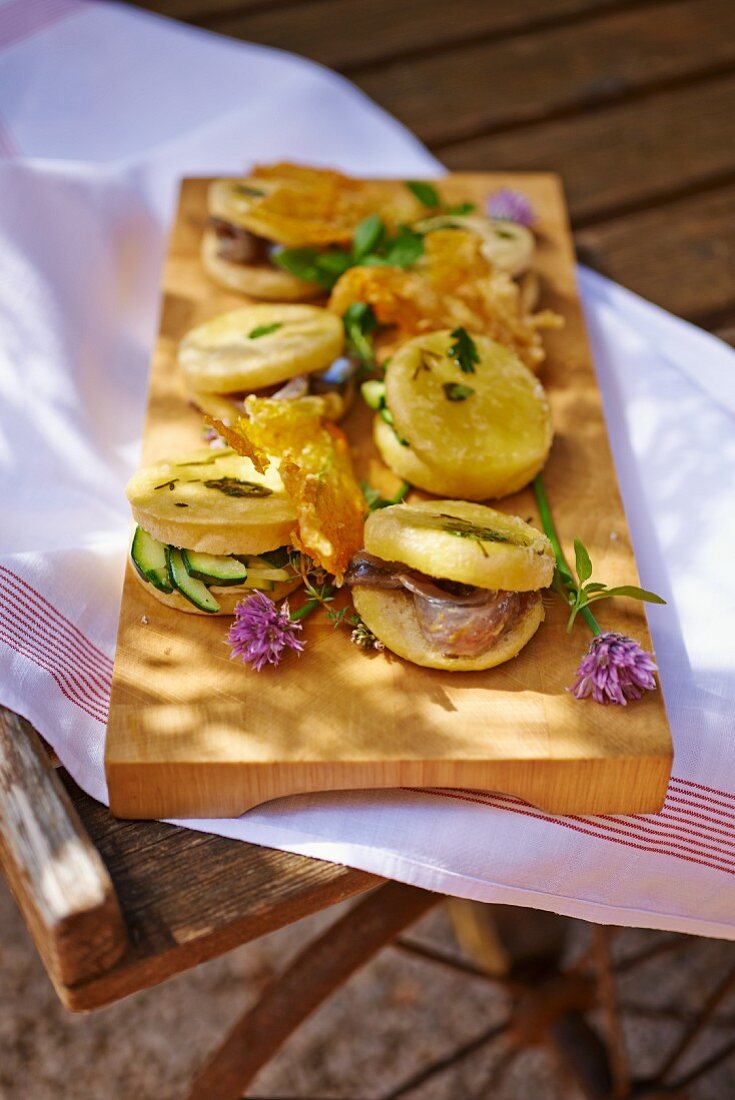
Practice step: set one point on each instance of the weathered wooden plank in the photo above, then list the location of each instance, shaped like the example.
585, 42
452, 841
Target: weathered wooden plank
627, 155
354, 33
198, 10
467, 91
680, 255
321, 968
187, 897
55, 873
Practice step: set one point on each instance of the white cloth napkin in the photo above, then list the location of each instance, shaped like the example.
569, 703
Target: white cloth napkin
103, 109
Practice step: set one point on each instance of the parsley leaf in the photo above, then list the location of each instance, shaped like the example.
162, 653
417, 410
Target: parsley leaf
455, 391
461, 209
312, 266
264, 330
464, 351
369, 235
405, 248
425, 192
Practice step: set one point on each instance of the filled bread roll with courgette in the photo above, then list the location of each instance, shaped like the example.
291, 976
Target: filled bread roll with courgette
210, 529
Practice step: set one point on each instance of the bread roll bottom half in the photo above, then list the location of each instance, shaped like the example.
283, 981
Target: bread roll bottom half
390, 614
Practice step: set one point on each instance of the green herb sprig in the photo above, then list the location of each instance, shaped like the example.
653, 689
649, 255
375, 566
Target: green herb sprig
375, 501
371, 247
456, 391
578, 591
264, 330
463, 351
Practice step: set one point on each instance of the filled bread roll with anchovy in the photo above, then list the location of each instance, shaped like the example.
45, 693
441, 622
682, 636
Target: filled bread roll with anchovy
210, 529
238, 258
450, 584
474, 433
283, 351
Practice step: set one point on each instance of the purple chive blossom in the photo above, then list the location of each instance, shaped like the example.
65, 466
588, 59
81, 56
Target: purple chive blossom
510, 205
613, 670
261, 631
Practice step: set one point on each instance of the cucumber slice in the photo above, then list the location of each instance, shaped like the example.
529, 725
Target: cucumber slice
193, 590
373, 392
261, 585
258, 573
214, 568
149, 558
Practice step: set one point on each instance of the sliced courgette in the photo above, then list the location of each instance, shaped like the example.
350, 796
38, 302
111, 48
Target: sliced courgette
149, 558
193, 590
257, 573
373, 391
215, 569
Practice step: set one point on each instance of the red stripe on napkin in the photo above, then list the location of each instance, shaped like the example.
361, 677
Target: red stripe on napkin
47, 633
699, 786
32, 627
590, 828
20, 19
41, 660
41, 604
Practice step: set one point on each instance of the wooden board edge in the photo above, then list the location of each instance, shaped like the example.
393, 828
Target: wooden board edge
596, 786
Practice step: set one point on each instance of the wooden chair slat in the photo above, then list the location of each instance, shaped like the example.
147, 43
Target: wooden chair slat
187, 897
54, 871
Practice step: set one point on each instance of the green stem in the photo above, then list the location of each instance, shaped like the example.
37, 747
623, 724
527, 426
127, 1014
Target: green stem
304, 610
319, 600
564, 573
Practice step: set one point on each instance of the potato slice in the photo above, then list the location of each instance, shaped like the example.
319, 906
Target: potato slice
488, 429
213, 501
459, 541
258, 346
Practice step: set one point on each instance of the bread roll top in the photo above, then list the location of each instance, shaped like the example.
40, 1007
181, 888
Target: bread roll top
463, 542
212, 501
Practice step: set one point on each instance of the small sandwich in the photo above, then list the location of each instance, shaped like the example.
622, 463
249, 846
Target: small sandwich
277, 234
210, 530
283, 351
451, 585
459, 415
507, 245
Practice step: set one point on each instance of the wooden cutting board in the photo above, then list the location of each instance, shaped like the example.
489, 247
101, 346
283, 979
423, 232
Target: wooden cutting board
193, 734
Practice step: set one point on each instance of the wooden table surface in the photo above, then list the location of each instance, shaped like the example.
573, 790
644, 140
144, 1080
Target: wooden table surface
633, 103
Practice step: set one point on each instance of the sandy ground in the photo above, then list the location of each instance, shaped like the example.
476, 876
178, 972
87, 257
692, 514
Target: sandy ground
388, 1022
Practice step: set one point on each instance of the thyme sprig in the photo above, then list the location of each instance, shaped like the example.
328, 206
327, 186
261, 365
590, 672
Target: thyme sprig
576, 588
